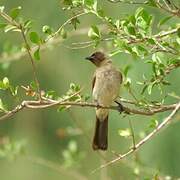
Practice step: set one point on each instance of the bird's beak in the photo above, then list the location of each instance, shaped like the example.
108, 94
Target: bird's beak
89, 58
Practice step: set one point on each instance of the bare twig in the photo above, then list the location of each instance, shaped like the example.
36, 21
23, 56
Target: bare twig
165, 122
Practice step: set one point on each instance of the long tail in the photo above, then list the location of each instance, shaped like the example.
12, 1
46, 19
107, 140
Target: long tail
100, 140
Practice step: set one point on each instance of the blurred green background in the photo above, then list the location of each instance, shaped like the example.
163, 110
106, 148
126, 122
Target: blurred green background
58, 145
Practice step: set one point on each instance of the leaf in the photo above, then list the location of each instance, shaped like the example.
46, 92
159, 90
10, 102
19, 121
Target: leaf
6, 82
37, 54
126, 70
151, 41
72, 146
34, 37
15, 12
67, 2
154, 123
94, 33
89, 3
150, 87
28, 24
2, 107
63, 33
10, 27
14, 90
144, 89
178, 32
47, 30
127, 83
74, 22
164, 20
125, 133
2, 8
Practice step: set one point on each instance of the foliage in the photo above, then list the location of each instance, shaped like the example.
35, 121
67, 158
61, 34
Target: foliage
140, 35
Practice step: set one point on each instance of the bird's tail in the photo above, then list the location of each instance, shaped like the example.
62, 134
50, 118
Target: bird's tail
100, 140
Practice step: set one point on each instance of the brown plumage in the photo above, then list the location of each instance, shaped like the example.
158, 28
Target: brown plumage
105, 87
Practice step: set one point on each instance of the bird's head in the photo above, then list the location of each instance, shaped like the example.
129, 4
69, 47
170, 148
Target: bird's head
97, 58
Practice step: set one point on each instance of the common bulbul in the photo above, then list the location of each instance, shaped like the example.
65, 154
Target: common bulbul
105, 89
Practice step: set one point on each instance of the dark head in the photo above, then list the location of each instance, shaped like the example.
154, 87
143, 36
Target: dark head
97, 58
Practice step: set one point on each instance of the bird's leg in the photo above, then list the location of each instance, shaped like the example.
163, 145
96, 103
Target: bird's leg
120, 106
97, 103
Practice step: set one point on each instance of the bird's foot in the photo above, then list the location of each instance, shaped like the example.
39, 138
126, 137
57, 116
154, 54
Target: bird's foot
120, 107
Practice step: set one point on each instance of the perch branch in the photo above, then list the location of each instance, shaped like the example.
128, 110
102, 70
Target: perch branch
165, 122
46, 103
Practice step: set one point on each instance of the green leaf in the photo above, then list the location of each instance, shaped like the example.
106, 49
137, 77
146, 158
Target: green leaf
10, 27
154, 123
37, 54
151, 41
34, 37
28, 24
67, 2
15, 12
126, 70
47, 30
6, 82
125, 133
2, 8
63, 33
72, 146
150, 87
86, 97
89, 3
94, 33
178, 32
144, 89
14, 90
164, 20
138, 12
2, 107
127, 83
74, 22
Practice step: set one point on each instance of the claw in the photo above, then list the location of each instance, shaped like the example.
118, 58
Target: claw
120, 106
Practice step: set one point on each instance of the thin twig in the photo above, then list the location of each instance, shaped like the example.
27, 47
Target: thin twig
132, 133
32, 62
64, 24
165, 122
22, 30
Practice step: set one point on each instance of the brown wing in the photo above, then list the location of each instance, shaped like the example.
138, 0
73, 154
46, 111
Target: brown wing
93, 82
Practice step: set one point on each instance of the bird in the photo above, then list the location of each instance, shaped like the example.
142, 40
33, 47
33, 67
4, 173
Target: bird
106, 83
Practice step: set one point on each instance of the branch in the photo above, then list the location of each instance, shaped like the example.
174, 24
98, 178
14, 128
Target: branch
51, 103
28, 48
54, 39
165, 122
174, 12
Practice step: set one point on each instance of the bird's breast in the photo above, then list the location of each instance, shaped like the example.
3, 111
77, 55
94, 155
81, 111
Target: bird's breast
106, 88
